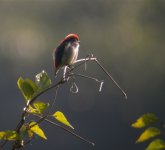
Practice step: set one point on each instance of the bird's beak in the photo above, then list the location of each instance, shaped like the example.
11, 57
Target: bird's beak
78, 41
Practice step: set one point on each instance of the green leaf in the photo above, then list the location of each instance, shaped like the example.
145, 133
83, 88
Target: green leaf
37, 130
27, 87
148, 133
145, 120
30, 134
40, 106
8, 135
25, 132
33, 110
156, 144
42, 80
61, 118
32, 84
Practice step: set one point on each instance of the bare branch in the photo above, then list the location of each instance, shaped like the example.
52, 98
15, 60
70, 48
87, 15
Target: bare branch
71, 132
90, 57
72, 88
48, 113
101, 85
88, 77
108, 74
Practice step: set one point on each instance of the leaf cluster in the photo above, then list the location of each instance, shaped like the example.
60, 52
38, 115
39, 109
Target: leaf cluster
148, 121
30, 128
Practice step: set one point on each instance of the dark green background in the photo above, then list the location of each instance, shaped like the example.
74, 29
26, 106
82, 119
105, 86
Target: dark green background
127, 36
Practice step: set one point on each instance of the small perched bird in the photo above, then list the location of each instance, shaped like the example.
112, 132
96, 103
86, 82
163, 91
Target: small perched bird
67, 52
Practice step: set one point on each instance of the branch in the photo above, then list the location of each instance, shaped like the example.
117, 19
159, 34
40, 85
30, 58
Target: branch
66, 76
91, 57
25, 112
108, 74
67, 130
48, 113
88, 77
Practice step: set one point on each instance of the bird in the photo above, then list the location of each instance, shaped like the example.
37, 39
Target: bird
66, 52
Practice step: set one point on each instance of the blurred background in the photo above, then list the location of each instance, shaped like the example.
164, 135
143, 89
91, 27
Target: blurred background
127, 37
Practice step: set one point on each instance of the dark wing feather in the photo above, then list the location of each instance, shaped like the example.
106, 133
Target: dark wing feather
58, 54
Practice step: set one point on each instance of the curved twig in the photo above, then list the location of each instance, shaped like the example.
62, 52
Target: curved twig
60, 126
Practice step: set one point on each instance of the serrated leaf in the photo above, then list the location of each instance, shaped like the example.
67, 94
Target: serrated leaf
37, 130
145, 120
27, 87
148, 133
61, 118
156, 144
9, 135
42, 80
40, 106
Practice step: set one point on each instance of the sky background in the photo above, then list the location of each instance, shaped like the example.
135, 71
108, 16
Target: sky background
127, 37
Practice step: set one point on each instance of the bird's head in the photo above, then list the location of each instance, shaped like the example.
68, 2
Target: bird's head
72, 38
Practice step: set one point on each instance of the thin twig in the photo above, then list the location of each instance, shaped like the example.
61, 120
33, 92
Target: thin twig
83, 61
48, 113
84, 76
88, 77
55, 97
72, 87
60, 126
108, 74
90, 57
